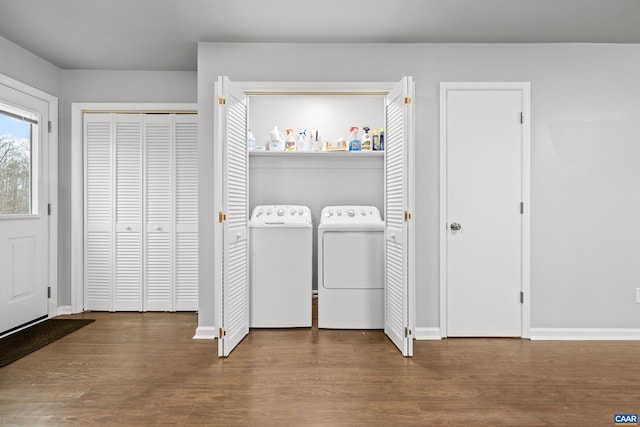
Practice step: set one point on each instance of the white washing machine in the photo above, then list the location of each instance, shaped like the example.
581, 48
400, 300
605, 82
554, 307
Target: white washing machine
280, 284
351, 268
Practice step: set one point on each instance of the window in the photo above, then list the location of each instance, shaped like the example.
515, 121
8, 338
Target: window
17, 137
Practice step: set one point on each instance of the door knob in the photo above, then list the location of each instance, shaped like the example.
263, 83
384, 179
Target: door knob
455, 226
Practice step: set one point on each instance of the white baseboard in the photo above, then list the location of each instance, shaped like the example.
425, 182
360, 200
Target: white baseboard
64, 309
585, 334
427, 334
205, 333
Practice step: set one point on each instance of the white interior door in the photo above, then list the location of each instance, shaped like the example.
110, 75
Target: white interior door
159, 201
128, 259
232, 278
24, 223
398, 149
484, 192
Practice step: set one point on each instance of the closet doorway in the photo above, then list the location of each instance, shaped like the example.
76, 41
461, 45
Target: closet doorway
139, 210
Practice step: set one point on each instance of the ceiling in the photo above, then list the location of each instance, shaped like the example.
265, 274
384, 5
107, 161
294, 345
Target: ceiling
163, 34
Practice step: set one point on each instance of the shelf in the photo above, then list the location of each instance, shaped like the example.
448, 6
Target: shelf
281, 154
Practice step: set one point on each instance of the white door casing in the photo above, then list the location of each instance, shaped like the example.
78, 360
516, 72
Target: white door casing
398, 205
25, 239
484, 209
231, 239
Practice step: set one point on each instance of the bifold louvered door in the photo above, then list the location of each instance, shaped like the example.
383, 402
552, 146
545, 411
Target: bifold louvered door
141, 206
398, 147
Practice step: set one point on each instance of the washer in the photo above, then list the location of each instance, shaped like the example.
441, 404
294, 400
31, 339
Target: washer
351, 268
280, 286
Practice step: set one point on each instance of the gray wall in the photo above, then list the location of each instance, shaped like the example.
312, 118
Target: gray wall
24, 66
585, 152
105, 86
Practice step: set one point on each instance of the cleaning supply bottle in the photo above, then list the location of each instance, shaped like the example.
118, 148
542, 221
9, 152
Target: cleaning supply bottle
251, 140
276, 140
302, 141
381, 139
376, 140
354, 143
289, 141
366, 140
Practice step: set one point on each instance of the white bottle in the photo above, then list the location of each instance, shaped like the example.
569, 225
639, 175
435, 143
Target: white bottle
251, 140
276, 140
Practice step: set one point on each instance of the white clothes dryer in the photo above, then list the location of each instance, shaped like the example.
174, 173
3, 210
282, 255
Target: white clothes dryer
351, 268
281, 260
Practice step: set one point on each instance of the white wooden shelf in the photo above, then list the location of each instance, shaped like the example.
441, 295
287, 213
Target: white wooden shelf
280, 154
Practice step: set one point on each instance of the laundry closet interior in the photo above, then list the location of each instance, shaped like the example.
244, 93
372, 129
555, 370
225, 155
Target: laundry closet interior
250, 179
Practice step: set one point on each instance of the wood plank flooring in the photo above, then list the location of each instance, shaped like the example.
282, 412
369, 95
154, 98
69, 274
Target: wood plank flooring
145, 369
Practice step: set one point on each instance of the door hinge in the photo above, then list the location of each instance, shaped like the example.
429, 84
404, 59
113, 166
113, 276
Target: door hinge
407, 332
222, 101
49, 209
407, 216
521, 208
49, 292
221, 333
521, 118
221, 217
521, 297
49, 126
407, 100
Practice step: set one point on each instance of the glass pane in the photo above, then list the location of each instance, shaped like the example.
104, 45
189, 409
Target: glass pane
15, 166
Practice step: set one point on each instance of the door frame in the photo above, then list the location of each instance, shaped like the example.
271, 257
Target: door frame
52, 182
77, 179
525, 88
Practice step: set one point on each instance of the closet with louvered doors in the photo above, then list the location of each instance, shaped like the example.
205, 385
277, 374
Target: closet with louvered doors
141, 206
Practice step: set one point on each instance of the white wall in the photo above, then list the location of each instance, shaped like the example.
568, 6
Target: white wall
585, 157
105, 86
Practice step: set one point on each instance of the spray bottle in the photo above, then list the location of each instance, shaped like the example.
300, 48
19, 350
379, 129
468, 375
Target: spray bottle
354, 143
366, 140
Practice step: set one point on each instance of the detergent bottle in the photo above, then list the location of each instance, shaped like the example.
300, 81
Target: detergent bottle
354, 143
366, 140
289, 141
376, 140
276, 140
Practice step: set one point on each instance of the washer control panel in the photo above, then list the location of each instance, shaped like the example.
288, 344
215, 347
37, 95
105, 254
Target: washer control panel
288, 214
350, 214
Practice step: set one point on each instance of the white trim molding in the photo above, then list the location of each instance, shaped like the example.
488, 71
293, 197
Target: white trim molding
525, 88
585, 334
205, 333
424, 333
77, 181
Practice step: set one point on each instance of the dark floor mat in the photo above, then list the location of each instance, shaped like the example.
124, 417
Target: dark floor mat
28, 340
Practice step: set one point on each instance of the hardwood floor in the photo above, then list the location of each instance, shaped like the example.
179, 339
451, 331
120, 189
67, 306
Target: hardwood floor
144, 369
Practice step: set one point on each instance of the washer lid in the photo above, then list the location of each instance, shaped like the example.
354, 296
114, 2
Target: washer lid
280, 215
350, 215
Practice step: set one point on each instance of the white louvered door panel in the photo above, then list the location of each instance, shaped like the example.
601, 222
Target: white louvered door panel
98, 271
232, 122
396, 215
128, 210
158, 200
186, 212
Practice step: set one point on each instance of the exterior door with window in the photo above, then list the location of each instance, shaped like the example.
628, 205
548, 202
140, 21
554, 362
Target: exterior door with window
24, 222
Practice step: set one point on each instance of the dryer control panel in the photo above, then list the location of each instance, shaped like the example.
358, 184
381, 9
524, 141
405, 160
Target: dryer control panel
350, 214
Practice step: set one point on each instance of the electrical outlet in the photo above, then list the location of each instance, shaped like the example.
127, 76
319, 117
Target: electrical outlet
637, 295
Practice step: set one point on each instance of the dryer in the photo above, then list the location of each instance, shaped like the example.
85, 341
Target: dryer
281, 260
351, 268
